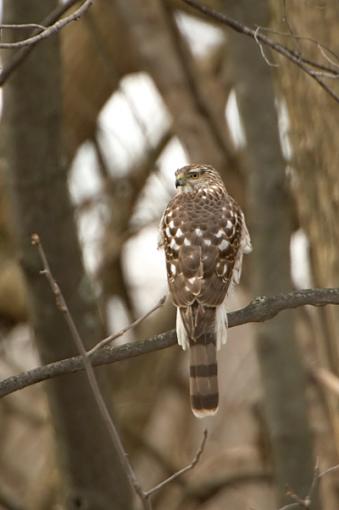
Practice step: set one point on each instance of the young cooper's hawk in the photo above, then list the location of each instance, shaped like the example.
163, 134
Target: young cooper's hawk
204, 235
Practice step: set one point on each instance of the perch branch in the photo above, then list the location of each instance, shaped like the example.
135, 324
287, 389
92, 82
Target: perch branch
259, 310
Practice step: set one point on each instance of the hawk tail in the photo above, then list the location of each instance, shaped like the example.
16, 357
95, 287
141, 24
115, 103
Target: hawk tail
202, 329
204, 375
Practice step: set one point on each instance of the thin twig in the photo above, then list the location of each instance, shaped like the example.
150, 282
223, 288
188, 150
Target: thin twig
286, 20
152, 452
322, 48
306, 502
326, 378
249, 32
314, 482
20, 55
290, 506
145, 497
291, 55
120, 333
300, 502
259, 310
53, 29
181, 471
271, 64
62, 305
22, 26
328, 471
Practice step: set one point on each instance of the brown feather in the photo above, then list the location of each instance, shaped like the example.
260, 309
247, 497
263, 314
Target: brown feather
199, 322
202, 233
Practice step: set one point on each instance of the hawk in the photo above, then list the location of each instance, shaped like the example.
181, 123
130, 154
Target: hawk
204, 236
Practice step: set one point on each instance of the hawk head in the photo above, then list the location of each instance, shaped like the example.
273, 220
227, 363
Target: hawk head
195, 177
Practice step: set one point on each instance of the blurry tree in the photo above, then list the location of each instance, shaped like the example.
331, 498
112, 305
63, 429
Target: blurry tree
313, 132
270, 222
40, 203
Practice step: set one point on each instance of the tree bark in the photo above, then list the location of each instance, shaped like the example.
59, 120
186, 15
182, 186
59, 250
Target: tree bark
95, 47
91, 471
313, 132
270, 224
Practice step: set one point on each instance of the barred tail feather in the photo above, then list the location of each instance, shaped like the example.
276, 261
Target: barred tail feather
204, 376
202, 330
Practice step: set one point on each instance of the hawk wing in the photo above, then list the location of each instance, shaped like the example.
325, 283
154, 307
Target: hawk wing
204, 239
201, 245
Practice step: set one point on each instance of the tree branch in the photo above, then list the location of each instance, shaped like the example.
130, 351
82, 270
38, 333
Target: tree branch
22, 26
92, 380
22, 53
190, 466
53, 29
145, 496
120, 333
306, 503
326, 378
291, 55
260, 309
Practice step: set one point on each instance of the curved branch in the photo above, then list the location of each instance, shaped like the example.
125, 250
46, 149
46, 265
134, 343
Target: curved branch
47, 32
20, 55
291, 55
259, 310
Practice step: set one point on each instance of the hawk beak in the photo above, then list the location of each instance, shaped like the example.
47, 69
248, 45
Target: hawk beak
179, 181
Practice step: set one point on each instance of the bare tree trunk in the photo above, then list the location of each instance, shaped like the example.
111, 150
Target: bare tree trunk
96, 54
90, 467
164, 55
270, 222
314, 135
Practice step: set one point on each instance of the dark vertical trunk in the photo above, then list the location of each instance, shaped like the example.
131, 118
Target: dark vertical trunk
90, 467
270, 225
314, 133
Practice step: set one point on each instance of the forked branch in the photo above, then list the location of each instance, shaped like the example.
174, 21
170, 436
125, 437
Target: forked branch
306, 503
22, 53
48, 31
311, 68
145, 496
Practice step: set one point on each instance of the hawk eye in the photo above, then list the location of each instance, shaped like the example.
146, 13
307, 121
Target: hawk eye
194, 175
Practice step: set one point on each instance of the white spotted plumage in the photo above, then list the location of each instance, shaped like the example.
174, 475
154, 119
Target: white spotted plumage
204, 234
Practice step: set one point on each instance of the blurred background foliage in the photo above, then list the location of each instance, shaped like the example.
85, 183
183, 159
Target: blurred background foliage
94, 124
